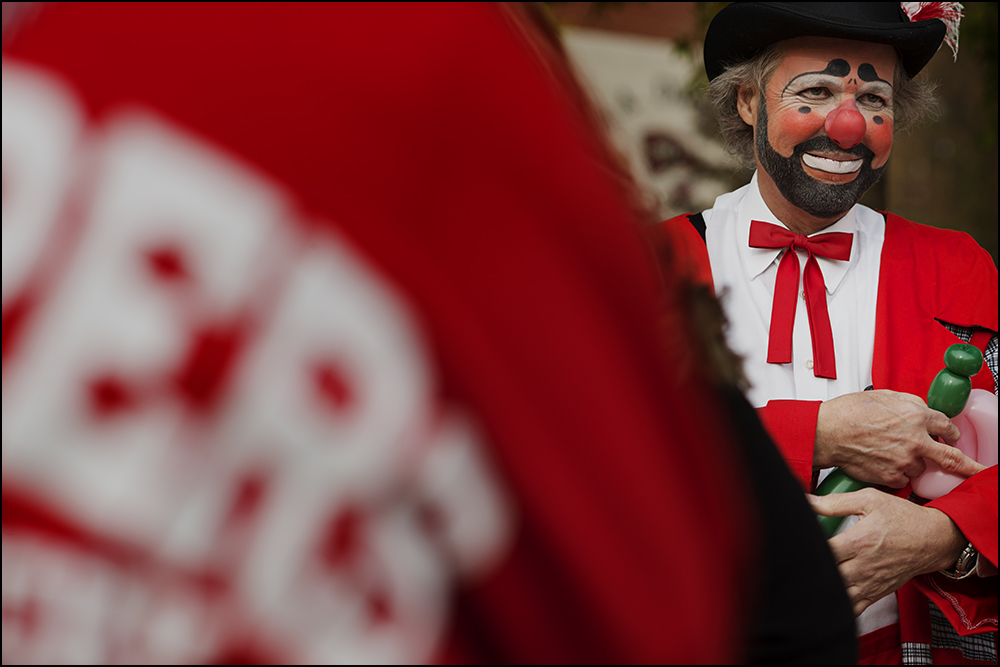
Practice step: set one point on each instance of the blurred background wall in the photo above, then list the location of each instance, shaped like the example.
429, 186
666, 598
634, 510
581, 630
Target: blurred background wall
642, 63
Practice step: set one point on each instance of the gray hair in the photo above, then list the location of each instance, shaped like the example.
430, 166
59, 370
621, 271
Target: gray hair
912, 99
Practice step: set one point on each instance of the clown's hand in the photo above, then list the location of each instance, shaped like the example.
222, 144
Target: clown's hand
894, 541
884, 436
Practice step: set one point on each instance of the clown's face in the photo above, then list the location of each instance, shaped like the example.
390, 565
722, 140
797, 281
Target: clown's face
823, 127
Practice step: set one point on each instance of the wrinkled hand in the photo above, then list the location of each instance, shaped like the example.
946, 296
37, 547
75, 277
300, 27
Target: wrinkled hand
894, 541
884, 436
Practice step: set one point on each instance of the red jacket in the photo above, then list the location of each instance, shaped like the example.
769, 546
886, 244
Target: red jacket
407, 158
928, 275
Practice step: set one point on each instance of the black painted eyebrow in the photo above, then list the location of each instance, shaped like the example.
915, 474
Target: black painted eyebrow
867, 73
836, 67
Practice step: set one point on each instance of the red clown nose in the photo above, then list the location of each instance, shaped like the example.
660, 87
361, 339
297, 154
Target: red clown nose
845, 125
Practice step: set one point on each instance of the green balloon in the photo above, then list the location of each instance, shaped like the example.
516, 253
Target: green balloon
949, 392
963, 359
837, 481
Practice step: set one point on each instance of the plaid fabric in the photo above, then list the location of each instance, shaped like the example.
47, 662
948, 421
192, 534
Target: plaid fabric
973, 647
976, 647
990, 355
916, 653
991, 360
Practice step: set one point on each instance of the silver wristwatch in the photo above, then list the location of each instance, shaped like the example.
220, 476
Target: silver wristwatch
965, 565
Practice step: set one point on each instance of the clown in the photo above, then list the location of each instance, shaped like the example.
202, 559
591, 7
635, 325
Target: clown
827, 298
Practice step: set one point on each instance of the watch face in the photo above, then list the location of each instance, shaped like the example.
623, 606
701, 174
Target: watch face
965, 564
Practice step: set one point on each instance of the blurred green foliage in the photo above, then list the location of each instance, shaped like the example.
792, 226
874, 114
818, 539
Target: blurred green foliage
978, 37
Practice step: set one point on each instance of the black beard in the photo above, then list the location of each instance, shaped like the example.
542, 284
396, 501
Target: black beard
826, 201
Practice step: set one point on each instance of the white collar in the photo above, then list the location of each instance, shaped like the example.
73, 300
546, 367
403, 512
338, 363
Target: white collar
757, 260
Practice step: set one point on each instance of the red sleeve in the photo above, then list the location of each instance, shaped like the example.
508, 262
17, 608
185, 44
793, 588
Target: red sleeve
792, 425
970, 604
972, 505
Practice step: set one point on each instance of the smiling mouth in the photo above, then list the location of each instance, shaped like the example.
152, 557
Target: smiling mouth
831, 166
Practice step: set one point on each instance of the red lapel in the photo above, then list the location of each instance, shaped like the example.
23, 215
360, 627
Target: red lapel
928, 274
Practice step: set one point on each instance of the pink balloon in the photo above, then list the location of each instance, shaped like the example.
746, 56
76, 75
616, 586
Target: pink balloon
978, 424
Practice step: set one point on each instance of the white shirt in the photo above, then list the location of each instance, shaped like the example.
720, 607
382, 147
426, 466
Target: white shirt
744, 279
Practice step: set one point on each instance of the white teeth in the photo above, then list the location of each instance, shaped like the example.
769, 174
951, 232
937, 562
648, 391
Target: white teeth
831, 166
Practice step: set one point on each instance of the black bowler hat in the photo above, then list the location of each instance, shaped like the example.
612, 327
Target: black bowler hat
741, 30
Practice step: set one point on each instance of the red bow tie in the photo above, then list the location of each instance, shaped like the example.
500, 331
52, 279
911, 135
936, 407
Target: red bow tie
834, 245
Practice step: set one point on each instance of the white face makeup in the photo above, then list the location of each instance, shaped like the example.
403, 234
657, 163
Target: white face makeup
824, 123
821, 88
